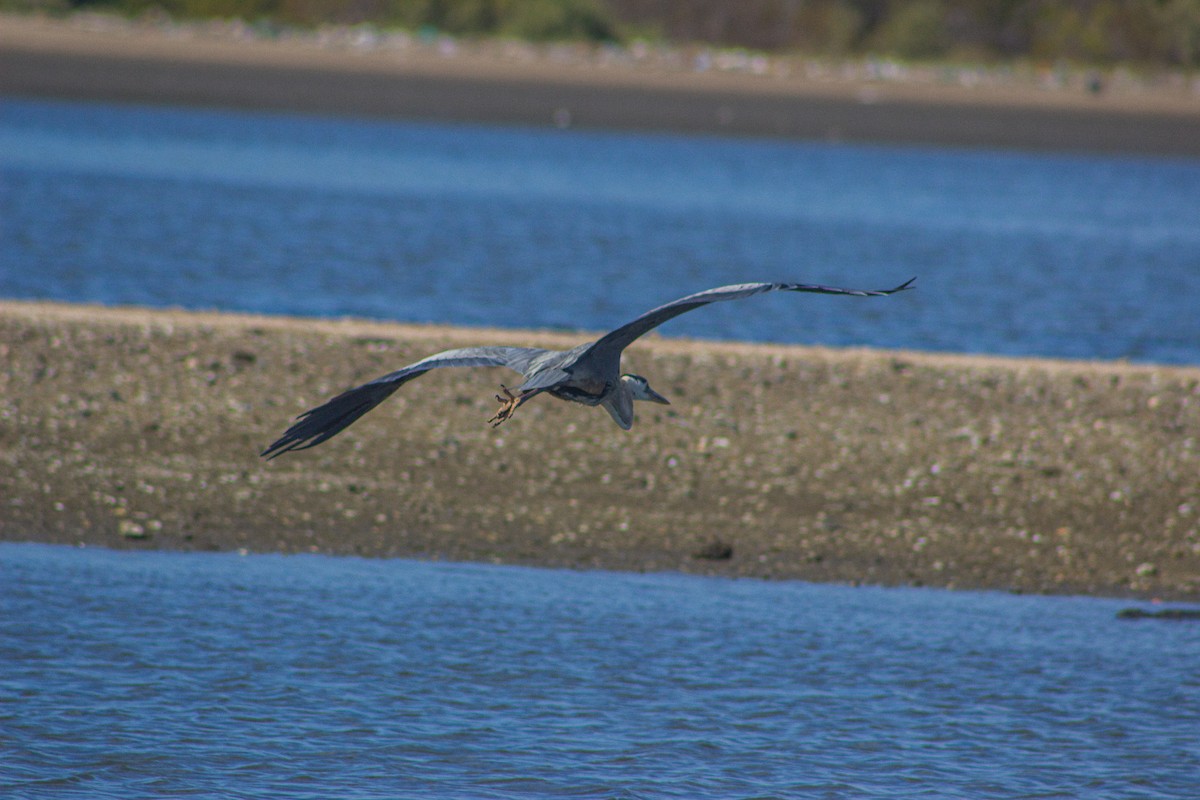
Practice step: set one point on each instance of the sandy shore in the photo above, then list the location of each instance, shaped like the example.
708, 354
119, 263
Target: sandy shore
138, 428
88, 58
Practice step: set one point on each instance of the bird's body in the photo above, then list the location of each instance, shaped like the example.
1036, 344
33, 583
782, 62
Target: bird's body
589, 373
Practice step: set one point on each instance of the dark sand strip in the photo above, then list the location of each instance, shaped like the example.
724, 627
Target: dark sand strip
45, 59
136, 428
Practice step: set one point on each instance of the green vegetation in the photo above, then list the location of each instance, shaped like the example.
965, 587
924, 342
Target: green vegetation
1159, 32
536, 20
1151, 32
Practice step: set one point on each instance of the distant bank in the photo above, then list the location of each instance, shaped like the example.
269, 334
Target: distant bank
44, 58
139, 428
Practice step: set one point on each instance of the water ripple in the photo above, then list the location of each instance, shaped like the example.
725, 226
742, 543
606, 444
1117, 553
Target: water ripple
131, 675
1018, 254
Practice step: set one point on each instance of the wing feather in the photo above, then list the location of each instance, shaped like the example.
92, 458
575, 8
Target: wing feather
325, 421
620, 338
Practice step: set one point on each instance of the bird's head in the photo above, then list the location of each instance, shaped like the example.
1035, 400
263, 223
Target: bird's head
639, 389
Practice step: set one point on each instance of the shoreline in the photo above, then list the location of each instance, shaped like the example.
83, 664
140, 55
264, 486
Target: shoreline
513, 84
141, 428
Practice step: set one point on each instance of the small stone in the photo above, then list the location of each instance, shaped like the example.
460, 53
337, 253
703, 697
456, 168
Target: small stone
131, 530
716, 550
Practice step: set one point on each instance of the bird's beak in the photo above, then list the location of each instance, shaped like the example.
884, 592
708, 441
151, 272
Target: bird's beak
655, 397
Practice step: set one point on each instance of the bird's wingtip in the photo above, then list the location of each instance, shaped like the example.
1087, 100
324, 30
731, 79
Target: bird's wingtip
272, 452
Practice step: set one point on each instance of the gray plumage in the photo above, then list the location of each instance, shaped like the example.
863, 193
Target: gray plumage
589, 373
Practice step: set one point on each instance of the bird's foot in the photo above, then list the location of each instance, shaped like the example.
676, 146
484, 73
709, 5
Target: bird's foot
508, 405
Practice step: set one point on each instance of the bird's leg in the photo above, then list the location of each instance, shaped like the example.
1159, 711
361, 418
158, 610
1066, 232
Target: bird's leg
509, 403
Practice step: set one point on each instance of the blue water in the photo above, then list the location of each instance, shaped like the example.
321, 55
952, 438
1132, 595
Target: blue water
1054, 255
131, 675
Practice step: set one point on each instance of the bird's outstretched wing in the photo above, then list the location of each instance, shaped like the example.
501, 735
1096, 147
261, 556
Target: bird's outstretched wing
325, 421
617, 340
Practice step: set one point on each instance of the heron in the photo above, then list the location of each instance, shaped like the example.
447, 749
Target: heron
589, 373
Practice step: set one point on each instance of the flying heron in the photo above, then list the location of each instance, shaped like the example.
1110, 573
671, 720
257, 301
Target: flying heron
589, 373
